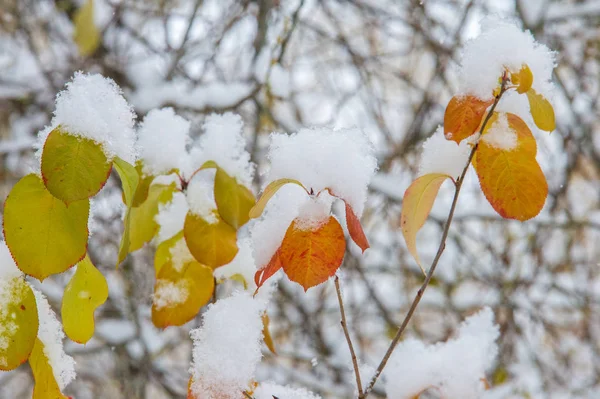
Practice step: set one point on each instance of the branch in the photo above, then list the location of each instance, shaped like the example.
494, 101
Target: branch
440, 250
347, 334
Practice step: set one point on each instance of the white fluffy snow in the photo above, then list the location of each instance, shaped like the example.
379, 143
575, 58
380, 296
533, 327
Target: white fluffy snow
162, 139
171, 217
51, 334
169, 294
223, 142
93, 107
341, 160
200, 195
180, 254
501, 45
243, 264
227, 347
500, 135
454, 368
268, 391
8, 273
444, 156
314, 212
8, 268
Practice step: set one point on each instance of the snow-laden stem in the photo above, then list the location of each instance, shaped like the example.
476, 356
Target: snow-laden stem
347, 334
442, 246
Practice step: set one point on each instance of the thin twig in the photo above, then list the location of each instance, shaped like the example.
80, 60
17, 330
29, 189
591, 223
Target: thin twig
441, 248
347, 334
246, 394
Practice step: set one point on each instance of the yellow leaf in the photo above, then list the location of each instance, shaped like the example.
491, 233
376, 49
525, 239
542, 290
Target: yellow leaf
269, 192
234, 200
73, 168
417, 203
86, 34
212, 244
143, 226
267, 335
541, 111
129, 182
523, 79
310, 256
45, 386
44, 235
180, 292
85, 292
18, 323
141, 193
511, 179
163, 251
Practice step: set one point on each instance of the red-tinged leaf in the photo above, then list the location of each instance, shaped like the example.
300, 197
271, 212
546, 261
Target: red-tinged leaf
269, 192
511, 179
418, 201
355, 229
463, 116
272, 267
311, 254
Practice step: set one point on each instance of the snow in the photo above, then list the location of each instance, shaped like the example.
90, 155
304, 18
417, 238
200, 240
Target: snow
8, 273
500, 135
93, 107
341, 160
200, 195
162, 139
269, 390
223, 142
243, 264
51, 334
314, 212
444, 156
8, 267
502, 45
227, 347
171, 217
454, 368
170, 294
180, 254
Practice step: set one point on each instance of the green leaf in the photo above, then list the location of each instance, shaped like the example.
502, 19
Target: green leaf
85, 292
143, 187
73, 168
86, 34
44, 235
212, 244
18, 323
129, 181
143, 226
234, 200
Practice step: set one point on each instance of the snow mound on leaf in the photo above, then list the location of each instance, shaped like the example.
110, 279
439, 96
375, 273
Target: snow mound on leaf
227, 347
171, 217
500, 135
341, 160
200, 195
455, 368
501, 45
93, 107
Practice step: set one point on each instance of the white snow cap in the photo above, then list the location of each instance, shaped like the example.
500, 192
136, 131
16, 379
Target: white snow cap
93, 107
341, 160
201, 197
444, 156
227, 347
223, 142
501, 45
162, 139
268, 391
454, 368
8, 267
51, 334
171, 217
500, 135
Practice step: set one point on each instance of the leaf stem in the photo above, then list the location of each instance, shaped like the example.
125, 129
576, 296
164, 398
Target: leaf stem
440, 250
347, 334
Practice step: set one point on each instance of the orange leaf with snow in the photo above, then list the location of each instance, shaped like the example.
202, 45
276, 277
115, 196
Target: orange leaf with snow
311, 253
180, 291
463, 116
417, 203
508, 172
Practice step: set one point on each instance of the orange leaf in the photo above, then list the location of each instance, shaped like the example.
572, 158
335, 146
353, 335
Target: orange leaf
511, 179
355, 229
263, 274
463, 116
523, 79
541, 111
417, 203
311, 255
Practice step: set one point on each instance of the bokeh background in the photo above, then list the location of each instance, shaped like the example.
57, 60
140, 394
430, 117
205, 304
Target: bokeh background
388, 67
